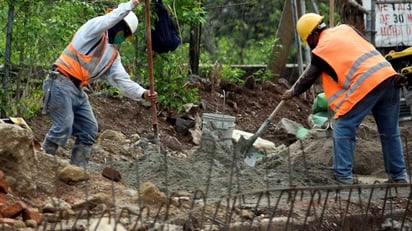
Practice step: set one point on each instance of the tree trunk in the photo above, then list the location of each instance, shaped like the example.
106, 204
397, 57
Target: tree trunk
7, 62
194, 49
194, 46
351, 14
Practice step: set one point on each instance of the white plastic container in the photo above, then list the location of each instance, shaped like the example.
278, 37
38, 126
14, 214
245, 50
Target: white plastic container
225, 124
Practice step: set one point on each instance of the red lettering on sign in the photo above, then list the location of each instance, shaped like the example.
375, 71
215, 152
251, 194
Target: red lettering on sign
408, 30
390, 31
384, 18
382, 7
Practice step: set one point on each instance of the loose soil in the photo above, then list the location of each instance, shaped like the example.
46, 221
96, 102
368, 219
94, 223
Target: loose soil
210, 166
250, 106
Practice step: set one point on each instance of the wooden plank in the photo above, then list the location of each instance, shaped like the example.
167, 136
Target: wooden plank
284, 40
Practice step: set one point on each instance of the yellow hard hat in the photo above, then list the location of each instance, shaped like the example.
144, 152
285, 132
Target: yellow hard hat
306, 24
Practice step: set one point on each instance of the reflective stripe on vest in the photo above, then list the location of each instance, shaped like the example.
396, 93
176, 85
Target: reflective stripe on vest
358, 65
86, 66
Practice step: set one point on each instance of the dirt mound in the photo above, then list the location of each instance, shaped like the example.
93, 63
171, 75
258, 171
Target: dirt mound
212, 168
250, 107
185, 168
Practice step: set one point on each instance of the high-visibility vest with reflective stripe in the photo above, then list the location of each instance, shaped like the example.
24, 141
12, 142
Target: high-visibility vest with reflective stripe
358, 65
86, 66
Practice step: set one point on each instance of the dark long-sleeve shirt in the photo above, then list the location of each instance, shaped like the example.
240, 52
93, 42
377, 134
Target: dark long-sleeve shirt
314, 71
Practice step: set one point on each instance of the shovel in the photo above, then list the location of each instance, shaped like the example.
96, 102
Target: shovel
245, 146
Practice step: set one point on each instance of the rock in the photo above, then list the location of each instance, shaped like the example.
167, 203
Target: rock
151, 195
31, 223
250, 82
13, 210
191, 108
196, 130
52, 217
7, 221
99, 209
32, 215
72, 174
19, 225
18, 158
288, 126
4, 186
111, 135
259, 144
112, 174
169, 227
3, 199
53, 205
172, 143
183, 125
284, 82
93, 201
105, 224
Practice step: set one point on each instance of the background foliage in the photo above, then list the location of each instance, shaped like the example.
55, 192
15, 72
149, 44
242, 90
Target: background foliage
233, 32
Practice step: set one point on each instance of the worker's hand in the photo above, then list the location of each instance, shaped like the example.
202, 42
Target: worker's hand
150, 97
288, 94
401, 80
135, 2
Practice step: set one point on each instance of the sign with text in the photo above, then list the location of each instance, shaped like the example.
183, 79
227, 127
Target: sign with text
393, 23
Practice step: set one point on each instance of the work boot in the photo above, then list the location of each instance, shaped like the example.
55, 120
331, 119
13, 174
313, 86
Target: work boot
343, 181
80, 155
49, 147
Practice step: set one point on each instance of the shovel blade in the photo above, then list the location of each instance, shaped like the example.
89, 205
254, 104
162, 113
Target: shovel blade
245, 148
250, 160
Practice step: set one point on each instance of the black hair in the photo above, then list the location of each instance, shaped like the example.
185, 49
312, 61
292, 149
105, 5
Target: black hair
120, 26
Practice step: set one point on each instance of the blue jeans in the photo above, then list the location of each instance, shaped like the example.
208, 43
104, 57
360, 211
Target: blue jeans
70, 111
384, 103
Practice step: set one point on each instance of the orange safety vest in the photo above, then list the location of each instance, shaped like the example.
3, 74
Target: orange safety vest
358, 65
81, 66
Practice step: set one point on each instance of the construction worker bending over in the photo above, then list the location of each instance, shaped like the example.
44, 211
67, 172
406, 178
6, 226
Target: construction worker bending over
90, 55
357, 80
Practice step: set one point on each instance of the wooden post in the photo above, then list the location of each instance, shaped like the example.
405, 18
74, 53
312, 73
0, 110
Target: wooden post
194, 48
332, 13
283, 42
150, 68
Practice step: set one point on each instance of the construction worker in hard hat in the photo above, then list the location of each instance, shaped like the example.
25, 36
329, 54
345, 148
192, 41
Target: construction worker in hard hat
91, 54
357, 81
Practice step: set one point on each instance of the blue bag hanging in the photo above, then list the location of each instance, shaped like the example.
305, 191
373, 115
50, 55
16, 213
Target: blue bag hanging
164, 34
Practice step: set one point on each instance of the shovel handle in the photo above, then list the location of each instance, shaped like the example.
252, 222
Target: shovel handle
266, 123
260, 131
268, 120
